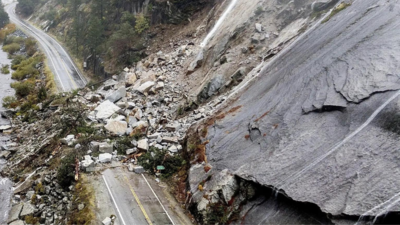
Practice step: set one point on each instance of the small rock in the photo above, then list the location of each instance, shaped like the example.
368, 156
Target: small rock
160, 85
173, 140
131, 167
106, 221
81, 206
130, 151
259, 28
139, 169
173, 149
145, 87
143, 144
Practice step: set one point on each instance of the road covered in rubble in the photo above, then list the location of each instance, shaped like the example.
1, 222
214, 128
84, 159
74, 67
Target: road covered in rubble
135, 199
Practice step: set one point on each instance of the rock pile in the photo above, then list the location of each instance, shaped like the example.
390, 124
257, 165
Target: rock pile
45, 200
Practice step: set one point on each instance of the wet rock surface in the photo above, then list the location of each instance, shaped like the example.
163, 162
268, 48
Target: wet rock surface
307, 101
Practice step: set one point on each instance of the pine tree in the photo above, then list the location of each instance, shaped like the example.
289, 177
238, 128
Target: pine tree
3, 17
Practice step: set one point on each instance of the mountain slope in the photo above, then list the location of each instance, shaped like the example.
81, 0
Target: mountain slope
301, 106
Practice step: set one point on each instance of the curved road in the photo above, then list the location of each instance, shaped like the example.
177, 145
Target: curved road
66, 74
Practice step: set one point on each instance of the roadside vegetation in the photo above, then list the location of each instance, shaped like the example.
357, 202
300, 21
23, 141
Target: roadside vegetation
340, 7
5, 69
107, 34
83, 197
155, 157
34, 82
4, 20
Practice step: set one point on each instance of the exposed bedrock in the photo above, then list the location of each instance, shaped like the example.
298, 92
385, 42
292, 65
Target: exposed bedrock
309, 100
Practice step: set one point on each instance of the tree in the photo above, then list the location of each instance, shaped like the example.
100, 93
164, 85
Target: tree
78, 24
141, 23
3, 17
121, 42
95, 34
26, 7
95, 38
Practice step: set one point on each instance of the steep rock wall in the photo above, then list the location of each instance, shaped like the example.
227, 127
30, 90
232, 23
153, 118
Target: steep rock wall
300, 108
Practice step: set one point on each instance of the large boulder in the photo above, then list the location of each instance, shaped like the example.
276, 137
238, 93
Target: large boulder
145, 87
116, 95
106, 147
116, 126
198, 62
105, 158
17, 222
211, 88
27, 210
87, 163
105, 110
5, 127
130, 79
14, 213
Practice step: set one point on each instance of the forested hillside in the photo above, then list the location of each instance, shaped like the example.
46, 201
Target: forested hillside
108, 32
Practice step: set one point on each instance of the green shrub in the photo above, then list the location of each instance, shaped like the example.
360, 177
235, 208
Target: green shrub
26, 68
340, 7
42, 93
259, 10
16, 61
141, 23
66, 171
10, 102
30, 46
11, 48
5, 69
31, 220
161, 157
23, 89
13, 39
122, 144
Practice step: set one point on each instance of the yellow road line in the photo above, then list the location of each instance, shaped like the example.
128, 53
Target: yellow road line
138, 201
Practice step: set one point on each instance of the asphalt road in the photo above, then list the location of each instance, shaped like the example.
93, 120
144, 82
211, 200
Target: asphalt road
134, 200
66, 74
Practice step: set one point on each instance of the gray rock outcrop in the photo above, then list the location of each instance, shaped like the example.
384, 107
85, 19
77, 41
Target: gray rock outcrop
295, 115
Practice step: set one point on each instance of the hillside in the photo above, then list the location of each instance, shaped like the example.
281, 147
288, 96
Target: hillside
247, 112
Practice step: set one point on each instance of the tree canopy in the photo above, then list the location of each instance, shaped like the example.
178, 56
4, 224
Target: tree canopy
3, 17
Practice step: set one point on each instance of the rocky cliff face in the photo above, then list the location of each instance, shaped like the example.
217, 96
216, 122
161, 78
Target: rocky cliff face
310, 124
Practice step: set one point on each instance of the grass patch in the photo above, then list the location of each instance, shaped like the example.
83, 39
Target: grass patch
340, 7
23, 88
83, 195
50, 82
